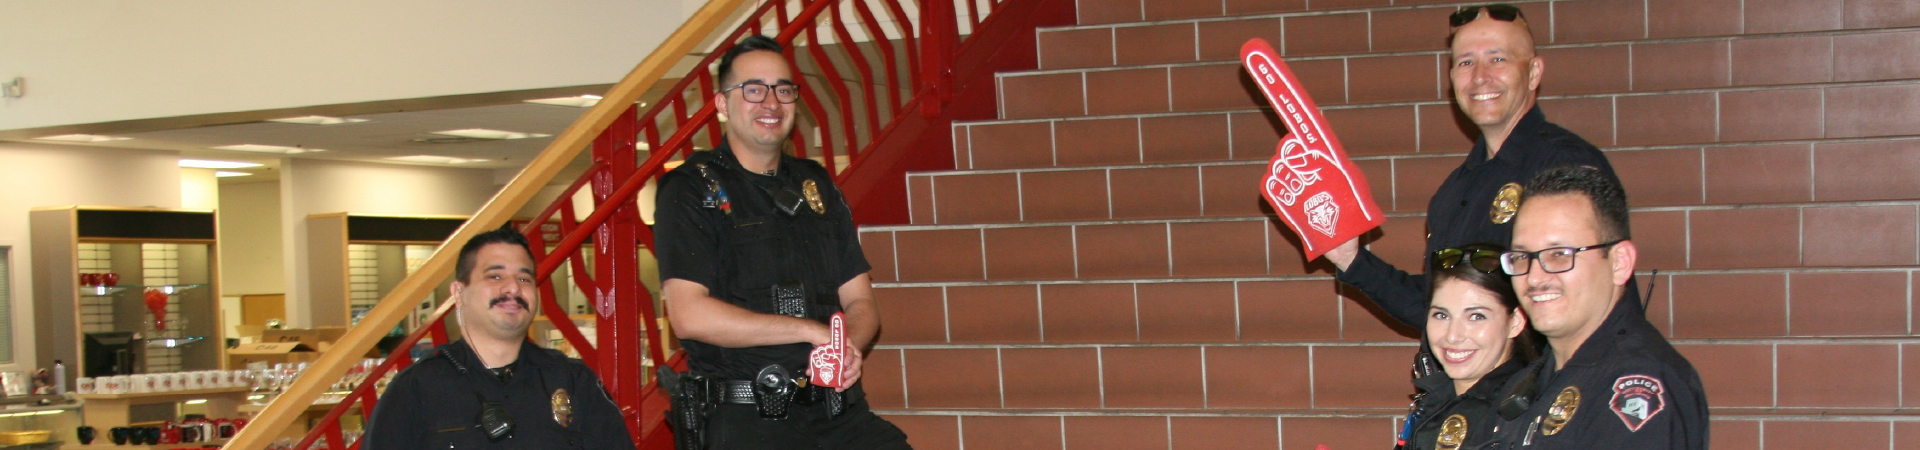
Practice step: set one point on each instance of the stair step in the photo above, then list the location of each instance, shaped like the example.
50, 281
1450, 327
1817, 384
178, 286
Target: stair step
1837, 234
1775, 376
1727, 304
1143, 430
1262, 429
1645, 62
1194, 87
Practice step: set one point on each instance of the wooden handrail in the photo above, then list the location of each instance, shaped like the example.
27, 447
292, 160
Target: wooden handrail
393, 308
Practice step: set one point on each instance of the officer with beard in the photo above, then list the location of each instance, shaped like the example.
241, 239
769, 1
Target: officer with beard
492, 388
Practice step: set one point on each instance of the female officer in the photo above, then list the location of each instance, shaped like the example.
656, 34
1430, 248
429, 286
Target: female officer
1478, 335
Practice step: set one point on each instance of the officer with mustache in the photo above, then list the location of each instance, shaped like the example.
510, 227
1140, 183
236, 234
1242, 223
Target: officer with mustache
493, 388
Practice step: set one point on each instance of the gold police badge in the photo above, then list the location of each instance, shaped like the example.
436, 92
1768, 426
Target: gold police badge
812, 191
562, 408
1564, 405
1453, 432
1506, 203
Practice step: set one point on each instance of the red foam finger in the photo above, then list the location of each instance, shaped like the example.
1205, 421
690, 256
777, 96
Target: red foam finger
1310, 183
830, 360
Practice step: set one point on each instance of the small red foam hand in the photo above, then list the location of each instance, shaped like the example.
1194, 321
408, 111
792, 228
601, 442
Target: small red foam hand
157, 304
830, 360
1310, 183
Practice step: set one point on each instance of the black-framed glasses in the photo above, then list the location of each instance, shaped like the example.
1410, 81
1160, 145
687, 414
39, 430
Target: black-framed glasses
1481, 259
1498, 11
1552, 260
756, 92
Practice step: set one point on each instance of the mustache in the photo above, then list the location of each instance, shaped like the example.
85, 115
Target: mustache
503, 299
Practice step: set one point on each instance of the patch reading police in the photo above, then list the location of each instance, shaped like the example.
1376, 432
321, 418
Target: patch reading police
1453, 432
562, 408
1505, 203
812, 191
1636, 399
1564, 405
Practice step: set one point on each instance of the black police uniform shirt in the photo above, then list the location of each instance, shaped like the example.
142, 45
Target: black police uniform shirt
1438, 403
432, 405
742, 245
1462, 211
1633, 390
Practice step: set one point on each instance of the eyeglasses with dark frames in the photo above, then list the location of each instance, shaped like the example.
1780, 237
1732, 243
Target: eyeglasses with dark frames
1498, 11
1481, 259
1552, 260
756, 92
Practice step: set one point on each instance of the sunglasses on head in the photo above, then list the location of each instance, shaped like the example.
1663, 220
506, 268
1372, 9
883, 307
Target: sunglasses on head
1498, 11
1483, 260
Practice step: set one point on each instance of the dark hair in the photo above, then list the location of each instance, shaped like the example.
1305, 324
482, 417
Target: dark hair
506, 234
750, 44
1602, 189
1496, 282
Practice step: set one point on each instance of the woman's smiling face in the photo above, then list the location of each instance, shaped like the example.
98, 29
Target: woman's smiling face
1469, 331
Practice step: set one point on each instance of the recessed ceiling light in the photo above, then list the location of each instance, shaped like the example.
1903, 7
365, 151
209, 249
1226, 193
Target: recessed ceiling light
227, 174
210, 164
257, 148
318, 120
430, 159
482, 133
82, 138
578, 101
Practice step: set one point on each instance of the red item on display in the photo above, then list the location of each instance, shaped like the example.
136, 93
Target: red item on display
1310, 183
157, 304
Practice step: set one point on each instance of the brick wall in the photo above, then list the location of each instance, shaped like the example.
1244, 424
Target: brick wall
1100, 272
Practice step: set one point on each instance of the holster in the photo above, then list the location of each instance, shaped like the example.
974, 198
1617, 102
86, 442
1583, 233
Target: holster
690, 398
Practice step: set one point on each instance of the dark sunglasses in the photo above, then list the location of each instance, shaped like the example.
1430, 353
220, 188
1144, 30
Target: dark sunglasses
1498, 11
1483, 260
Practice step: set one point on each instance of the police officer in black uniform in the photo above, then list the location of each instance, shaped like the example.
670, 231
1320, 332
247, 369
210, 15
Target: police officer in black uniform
757, 250
1476, 319
1608, 380
1495, 77
492, 388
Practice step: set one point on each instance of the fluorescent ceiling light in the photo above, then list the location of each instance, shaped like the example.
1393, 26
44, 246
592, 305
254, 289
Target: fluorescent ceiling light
430, 159
578, 101
227, 174
257, 148
82, 138
482, 133
210, 164
317, 120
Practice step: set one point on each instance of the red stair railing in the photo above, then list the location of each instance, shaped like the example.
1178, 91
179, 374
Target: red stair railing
839, 120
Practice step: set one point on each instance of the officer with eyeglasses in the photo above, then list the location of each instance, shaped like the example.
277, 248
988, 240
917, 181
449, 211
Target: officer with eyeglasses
1495, 76
757, 251
1608, 379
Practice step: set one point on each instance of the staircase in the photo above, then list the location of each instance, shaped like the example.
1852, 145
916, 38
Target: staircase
1100, 272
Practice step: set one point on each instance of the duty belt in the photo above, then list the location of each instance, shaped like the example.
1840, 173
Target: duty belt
739, 392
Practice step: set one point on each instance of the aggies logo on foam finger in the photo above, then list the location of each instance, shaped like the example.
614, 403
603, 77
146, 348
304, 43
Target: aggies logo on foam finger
1636, 399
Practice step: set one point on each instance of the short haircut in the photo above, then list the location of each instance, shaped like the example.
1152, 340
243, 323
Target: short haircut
506, 234
1496, 282
750, 44
1601, 189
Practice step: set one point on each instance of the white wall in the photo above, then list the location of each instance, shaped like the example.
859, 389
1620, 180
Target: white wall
50, 175
250, 239
199, 189
309, 186
106, 60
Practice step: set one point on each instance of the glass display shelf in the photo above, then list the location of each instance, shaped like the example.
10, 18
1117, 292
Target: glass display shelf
105, 291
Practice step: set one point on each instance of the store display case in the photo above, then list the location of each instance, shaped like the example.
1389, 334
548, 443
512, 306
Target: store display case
125, 290
355, 259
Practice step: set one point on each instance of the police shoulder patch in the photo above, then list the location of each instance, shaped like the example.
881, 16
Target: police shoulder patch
1637, 399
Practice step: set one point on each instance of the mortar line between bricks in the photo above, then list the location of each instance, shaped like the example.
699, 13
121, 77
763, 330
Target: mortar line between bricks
1664, 40
1664, 272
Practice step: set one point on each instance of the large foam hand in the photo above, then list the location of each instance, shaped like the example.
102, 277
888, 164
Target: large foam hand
1310, 183
830, 361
